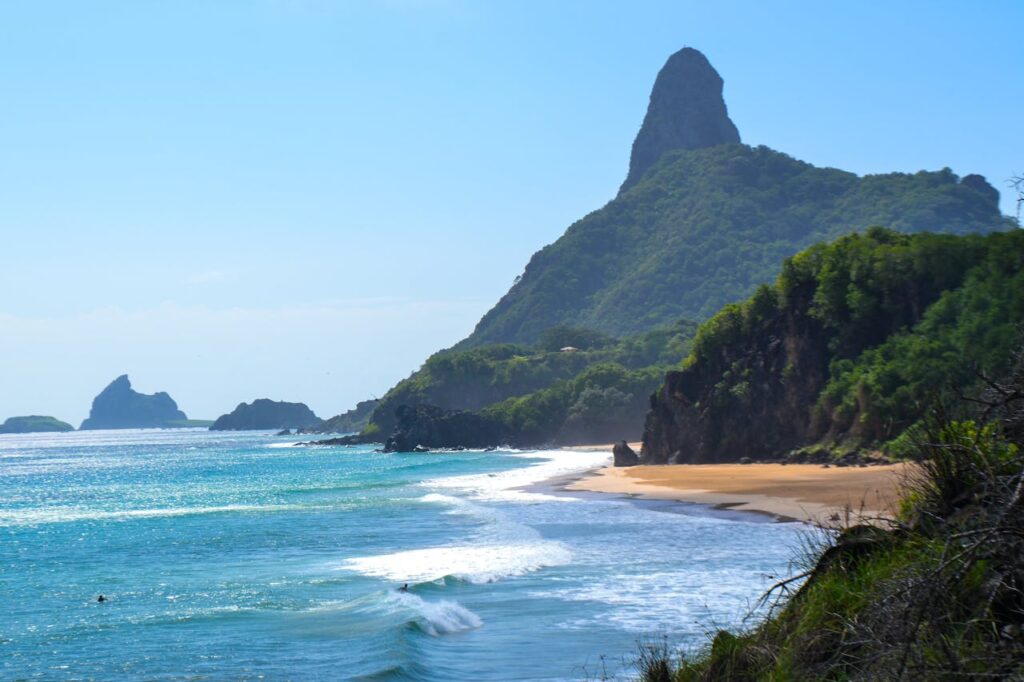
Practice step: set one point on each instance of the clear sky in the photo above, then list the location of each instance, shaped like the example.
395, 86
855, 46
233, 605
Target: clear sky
301, 200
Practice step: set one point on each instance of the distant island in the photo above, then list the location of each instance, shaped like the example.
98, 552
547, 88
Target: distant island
34, 424
267, 414
118, 406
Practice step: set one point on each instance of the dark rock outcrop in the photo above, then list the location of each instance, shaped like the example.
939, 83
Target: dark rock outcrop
624, 455
690, 422
354, 439
426, 426
267, 414
34, 424
120, 407
686, 111
352, 421
979, 184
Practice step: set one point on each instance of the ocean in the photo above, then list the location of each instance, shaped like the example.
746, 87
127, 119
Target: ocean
234, 556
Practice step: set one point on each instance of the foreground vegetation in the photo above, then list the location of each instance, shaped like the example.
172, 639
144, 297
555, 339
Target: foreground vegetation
936, 594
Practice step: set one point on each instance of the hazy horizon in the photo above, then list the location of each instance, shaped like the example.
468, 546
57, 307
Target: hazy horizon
303, 200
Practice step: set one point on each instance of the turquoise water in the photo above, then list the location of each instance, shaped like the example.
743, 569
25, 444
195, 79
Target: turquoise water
234, 556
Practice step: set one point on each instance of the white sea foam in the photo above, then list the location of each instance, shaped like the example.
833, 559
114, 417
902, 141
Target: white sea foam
472, 563
686, 596
437, 617
30, 517
394, 608
501, 547
507, 486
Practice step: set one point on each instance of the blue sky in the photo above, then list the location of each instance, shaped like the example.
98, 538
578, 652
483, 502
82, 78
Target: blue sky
302, 200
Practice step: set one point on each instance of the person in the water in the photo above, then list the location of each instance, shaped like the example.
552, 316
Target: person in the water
404, 588
101, 599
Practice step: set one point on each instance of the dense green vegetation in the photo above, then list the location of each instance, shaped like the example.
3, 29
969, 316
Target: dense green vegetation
705, 227
34, 424
884, 390
480, 377
602, 403
935, 594
850, 347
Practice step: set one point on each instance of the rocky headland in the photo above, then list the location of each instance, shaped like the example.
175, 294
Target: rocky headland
422, 427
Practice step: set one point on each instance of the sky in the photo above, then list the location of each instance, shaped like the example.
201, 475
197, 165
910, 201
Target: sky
302, 200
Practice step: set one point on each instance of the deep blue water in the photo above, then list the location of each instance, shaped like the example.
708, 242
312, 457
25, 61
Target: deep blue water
233, 556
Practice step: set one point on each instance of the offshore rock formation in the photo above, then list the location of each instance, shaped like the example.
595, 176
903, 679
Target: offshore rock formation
624, 456
686, 111
264, 414
34, 424
120, 407
426, 426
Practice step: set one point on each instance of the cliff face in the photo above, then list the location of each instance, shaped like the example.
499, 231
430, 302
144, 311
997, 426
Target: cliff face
694, 419
264, 414
852, 346
120, 407
426, 426
686, 111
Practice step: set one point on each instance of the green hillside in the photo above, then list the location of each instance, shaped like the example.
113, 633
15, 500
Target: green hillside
479, 377
701, 222
849, 349
706, 227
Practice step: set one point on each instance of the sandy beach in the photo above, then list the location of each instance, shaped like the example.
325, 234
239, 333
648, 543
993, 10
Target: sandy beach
805, 492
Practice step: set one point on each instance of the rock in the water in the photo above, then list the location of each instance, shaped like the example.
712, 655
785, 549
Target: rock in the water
426, 426
264, 414
686, 111
284, 432
34, 424
624, 455
120, 407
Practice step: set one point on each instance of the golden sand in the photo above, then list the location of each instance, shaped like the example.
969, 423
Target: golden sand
806, 492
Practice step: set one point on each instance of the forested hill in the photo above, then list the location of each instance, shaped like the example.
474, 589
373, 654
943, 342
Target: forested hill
853, 345
705, 227
703, 220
